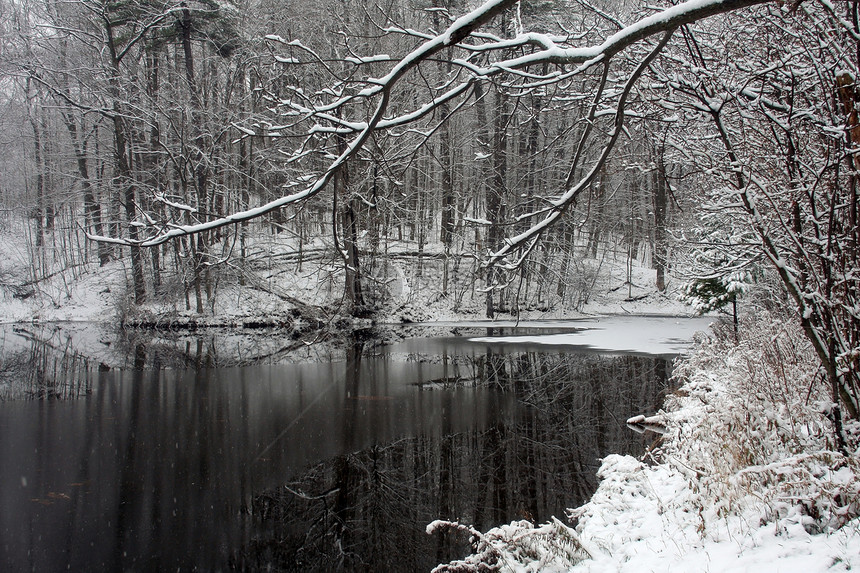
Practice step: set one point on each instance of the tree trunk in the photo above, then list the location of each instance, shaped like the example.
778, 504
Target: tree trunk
353, 294
92, 209
446, 231
496, 186
123, 173
39, 210
151, 166
202, 278
660, 207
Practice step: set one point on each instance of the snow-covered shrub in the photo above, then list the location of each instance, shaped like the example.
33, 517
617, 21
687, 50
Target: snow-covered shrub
747, 467
713, 293
751, 421
520, 546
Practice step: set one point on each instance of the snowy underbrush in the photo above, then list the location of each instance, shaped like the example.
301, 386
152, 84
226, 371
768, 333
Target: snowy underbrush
747, 477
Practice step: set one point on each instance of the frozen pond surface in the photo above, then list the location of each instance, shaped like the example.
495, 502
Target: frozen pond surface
325, 464
655, 335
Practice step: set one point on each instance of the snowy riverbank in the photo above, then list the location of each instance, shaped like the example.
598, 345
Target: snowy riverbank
275, 292
746, 478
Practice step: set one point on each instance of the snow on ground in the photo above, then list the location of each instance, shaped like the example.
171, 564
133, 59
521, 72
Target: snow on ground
273, 282
651, 518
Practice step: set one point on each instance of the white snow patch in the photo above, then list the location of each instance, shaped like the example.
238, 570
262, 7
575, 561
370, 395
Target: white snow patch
646, 335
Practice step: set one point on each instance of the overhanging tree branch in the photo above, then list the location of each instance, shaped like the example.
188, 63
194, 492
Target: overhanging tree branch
547, 50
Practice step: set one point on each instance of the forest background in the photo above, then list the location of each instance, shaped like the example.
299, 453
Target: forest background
506, 154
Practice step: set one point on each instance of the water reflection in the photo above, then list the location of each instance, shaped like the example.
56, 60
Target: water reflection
315, 466
359, 511
41, 367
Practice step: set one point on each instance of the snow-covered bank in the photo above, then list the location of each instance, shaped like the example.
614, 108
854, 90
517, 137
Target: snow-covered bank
101, 294
747, 478
271, 288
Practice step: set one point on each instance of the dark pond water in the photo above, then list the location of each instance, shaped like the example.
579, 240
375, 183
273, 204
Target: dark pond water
334, 462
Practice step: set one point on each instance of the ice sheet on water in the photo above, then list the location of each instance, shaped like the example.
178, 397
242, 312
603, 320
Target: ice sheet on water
645, 335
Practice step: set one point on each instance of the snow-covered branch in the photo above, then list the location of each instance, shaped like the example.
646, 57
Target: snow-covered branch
340, 115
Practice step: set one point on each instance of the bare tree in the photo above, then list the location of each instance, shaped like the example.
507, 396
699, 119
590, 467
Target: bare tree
778, 162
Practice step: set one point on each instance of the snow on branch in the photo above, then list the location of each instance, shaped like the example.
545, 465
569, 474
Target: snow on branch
360, 107
558, 206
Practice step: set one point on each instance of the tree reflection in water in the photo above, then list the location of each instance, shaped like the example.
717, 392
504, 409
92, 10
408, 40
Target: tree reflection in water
43, 367
366, 509
332, 465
